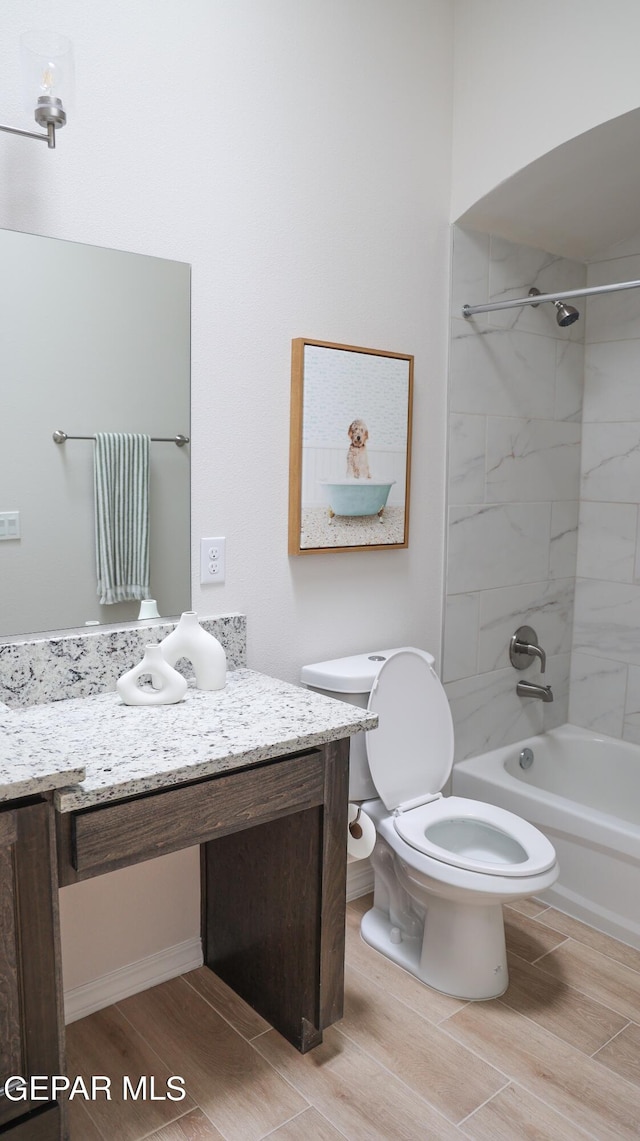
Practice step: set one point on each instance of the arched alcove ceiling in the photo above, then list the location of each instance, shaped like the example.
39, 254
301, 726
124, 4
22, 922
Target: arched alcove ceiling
577, 200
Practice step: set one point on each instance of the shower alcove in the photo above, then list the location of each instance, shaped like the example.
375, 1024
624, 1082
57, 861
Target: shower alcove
544, 447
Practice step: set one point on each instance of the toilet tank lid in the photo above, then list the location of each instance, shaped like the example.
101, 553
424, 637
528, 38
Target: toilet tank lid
355, 674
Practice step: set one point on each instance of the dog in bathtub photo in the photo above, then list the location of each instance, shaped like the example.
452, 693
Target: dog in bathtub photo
357, 459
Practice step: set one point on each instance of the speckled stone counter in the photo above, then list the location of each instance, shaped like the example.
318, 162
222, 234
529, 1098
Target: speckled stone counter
128, 750
80, 663
26, 768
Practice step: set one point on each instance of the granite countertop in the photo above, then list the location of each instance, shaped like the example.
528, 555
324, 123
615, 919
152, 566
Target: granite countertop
127, 750
27, 765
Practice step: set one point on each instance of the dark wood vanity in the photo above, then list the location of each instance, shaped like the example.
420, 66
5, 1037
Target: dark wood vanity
30, 974
270, 817
273, 875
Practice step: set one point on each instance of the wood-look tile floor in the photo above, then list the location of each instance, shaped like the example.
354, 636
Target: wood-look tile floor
557, 1058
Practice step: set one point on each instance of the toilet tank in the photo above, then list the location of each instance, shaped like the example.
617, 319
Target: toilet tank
351, 679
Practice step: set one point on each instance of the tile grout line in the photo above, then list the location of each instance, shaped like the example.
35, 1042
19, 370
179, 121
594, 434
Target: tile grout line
91, 1119
571, 986
165, 1065
224, 1018
588, 946
414, 1093
519, 1014
561, 937
295, 1117
552, 1033
261, 1034
150, 1136
487, 1101
538, 963
518, 1085
614, 1009
371, 982
250, 1042
632, 1085
196, 1104
283, 1077
612, 1039
563, 1041
512, 907
141, 1035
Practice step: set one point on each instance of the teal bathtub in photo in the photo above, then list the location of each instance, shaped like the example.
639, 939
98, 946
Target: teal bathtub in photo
356, 496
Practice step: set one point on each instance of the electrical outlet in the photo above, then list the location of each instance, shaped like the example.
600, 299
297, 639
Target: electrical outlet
212, 560
9, 524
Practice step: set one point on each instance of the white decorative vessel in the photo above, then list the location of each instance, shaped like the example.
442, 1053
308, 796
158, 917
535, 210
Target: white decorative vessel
170, 686
148, 609
189, 640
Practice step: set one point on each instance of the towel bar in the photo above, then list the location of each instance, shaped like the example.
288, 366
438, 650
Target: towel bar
60, 437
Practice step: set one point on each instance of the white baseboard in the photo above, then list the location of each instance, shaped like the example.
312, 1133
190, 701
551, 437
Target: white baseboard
141, 975
145, 973
359, 878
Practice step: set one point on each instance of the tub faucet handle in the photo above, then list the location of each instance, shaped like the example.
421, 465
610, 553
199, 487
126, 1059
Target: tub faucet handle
524, 647
534, 651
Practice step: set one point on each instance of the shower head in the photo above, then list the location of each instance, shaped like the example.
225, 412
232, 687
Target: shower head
565, 314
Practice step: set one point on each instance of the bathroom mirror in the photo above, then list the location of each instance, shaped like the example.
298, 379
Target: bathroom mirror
91, 340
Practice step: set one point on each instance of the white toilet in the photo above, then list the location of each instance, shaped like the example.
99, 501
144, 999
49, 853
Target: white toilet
443, 866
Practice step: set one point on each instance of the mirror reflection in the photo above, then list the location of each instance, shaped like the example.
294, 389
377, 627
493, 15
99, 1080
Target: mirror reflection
92, 340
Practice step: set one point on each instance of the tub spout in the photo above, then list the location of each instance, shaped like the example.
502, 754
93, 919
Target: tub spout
530, 689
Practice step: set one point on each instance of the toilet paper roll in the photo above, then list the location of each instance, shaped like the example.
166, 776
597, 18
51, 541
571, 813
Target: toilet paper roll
361, 833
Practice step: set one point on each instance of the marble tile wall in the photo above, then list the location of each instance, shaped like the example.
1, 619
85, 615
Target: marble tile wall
515, 403
605, 671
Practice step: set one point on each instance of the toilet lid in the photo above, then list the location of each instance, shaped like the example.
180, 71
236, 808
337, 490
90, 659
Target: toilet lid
410, 754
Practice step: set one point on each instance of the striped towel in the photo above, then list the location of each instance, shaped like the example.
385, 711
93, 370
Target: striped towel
122, 515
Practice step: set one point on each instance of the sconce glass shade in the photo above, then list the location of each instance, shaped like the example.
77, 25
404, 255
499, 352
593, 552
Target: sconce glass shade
47, 75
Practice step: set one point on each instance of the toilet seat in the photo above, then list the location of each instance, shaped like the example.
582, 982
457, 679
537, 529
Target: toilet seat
410, 753
410, 757
483, 837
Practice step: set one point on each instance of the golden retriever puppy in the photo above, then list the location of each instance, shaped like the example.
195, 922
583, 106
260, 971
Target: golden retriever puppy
357, 459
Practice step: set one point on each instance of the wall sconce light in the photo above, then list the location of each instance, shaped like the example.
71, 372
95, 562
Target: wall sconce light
47, 76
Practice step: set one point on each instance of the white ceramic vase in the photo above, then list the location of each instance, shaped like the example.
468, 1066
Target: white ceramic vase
189, 640
170, 686
148, 609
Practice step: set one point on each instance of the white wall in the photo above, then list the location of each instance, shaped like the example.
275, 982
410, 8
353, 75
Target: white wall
298, 156
528, 77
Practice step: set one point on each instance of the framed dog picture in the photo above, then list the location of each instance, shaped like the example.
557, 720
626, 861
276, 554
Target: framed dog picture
350, 453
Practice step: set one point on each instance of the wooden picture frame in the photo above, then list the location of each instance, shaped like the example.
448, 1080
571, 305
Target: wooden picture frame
350, 448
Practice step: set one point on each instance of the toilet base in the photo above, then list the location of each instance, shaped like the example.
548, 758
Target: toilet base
461, 953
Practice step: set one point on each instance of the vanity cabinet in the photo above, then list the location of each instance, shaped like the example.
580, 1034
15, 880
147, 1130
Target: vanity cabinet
256, 774
273, 875
30, 992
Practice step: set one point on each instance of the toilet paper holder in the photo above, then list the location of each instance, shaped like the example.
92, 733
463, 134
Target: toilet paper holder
361, 833
355, 827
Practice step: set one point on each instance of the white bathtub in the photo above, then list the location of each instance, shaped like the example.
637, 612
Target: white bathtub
583, 792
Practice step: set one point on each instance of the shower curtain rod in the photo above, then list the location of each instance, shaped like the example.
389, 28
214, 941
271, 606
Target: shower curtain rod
469, 310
